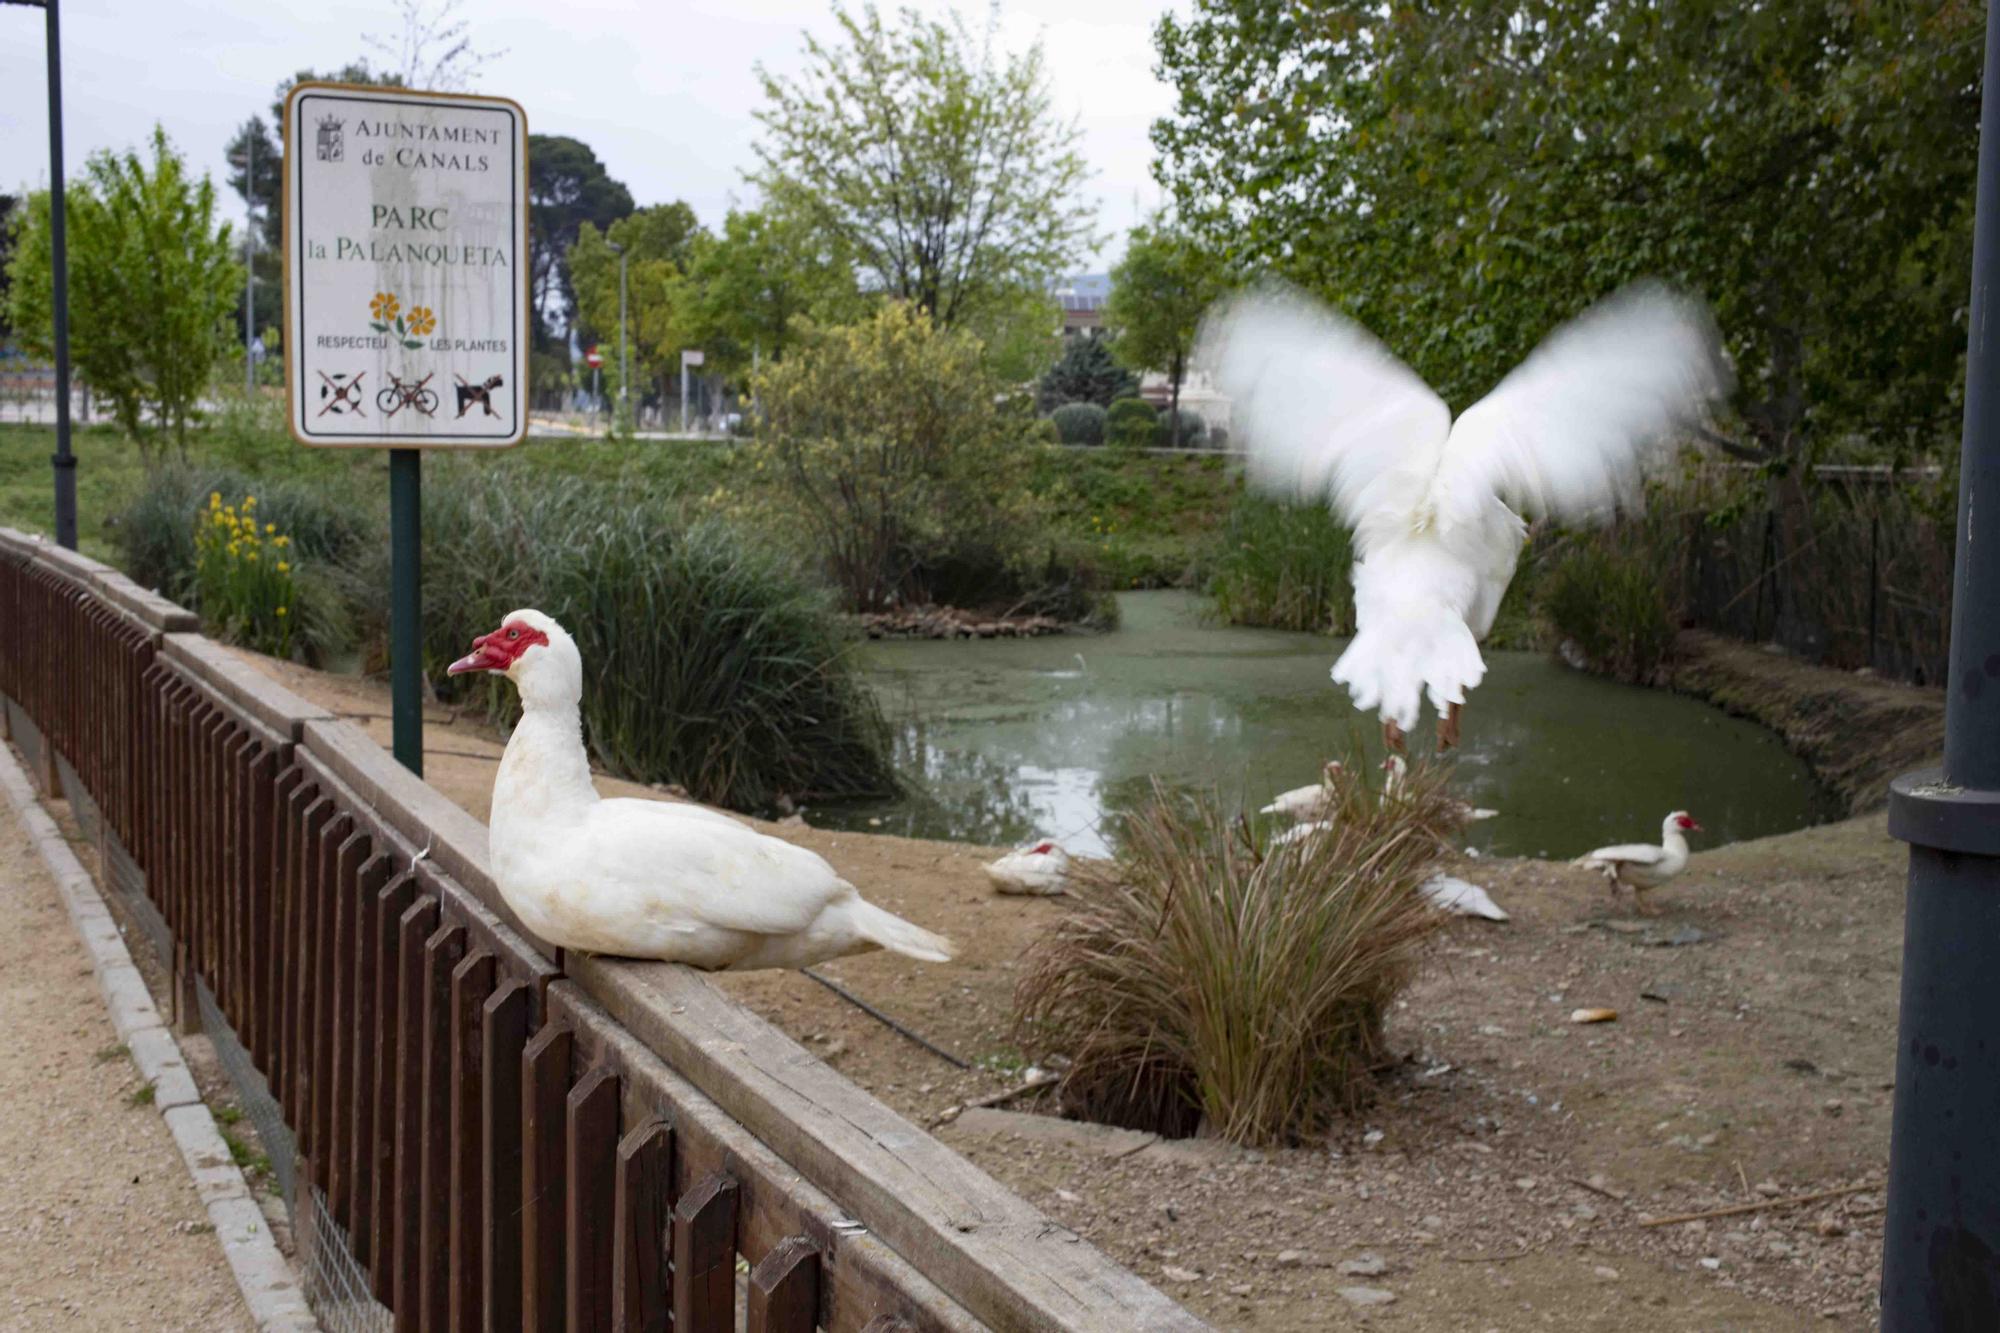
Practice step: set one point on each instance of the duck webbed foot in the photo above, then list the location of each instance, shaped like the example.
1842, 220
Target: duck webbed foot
1448, 728
1393, 737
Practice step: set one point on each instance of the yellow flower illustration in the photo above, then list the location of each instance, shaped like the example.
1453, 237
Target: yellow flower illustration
384, 306
422, 321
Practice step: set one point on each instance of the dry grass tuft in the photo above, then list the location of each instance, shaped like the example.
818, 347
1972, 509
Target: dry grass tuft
1209, 981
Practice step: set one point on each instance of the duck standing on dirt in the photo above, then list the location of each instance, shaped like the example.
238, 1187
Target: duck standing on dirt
1440, 509
649, 879
1642, 866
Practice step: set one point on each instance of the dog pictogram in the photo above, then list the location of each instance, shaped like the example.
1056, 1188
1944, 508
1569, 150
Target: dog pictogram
479, 394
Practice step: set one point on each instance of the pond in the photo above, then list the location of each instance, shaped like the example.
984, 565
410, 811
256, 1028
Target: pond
1006, 740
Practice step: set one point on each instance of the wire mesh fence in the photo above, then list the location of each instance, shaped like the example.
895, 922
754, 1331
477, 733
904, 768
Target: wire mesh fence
335, 1284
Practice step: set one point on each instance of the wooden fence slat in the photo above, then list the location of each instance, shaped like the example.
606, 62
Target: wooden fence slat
471, 984
705, 1257
342, 850
545, 1083
642, 1218
299, 981
354, 1085
784, 1289
417, 923
592, 1158
442, 953
391, 903
263, 791
503, 1035
272, 972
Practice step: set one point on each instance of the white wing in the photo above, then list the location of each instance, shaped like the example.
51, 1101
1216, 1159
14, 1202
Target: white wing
1635, 853
1326, 412
1571, 432
1449, 893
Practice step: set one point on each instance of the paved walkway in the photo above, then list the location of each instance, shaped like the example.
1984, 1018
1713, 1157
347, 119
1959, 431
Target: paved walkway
100, 1227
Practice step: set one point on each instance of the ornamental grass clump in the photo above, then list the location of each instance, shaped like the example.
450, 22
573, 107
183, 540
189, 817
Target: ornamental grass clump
1282, 566
1210, 981
243, 576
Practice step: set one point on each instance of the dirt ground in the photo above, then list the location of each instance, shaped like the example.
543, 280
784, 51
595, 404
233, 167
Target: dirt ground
1502, 1178
100, 1226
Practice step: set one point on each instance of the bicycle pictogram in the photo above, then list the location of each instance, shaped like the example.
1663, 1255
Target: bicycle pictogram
402, 393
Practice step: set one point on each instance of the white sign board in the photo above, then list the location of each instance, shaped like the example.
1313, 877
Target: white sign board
693, 358
406, 267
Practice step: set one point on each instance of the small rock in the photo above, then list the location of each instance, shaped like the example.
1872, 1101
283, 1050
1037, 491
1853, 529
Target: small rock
1291, 1258
1372, 1138
1605, 1273
1770, 1189
1173, 1274
1241, 1289
1368, 1265
1710, 1263
1367, 1296
1067, 1197
1831, 1226
1525, 1183
1708, 1140
1593, 1016
1833, 1106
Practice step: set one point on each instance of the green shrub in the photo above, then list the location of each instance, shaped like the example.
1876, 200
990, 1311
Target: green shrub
1044, 432
708, 661
1086, 372
1194, 430
1611, 604
1209, 981
328, 531
1079, 423
1284, 567
1131, 423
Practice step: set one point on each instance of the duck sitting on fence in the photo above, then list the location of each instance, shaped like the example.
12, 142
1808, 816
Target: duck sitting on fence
642, 878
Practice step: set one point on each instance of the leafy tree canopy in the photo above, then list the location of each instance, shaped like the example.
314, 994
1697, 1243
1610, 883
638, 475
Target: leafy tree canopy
658, 242
1462, 177
1158, 293
745, 287
151, 287
567, 187
944, 170
1086, 372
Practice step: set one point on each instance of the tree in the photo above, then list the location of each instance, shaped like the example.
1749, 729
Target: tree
1463, 177
262, 194
433, 50
745, 287
10, 209
567, 187
1158, 293
657, 242
1086, 372
943, 170
890, 448
151, 287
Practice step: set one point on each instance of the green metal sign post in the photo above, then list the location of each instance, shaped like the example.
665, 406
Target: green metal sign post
406, 305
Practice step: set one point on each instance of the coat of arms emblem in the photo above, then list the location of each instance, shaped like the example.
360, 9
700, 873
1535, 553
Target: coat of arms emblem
328, 144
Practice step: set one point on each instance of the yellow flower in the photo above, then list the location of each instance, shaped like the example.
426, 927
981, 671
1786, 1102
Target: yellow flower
249, 502
281, 610
215, 499
232, 548
284, 567
252, 557
270, 527
281, 542
422, 320
384, 306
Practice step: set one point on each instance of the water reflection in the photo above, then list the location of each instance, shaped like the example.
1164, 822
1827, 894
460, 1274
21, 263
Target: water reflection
1006, 740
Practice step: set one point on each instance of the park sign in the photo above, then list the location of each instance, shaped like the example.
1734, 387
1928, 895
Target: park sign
406, 267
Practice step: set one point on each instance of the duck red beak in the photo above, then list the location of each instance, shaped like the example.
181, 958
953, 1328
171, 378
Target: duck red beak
483, 657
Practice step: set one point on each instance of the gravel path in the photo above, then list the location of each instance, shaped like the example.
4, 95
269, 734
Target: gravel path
99, 1225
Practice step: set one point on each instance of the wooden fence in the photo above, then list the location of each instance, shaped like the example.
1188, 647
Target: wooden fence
511, 1139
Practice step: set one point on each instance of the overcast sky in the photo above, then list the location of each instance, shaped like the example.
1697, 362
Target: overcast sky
662, 91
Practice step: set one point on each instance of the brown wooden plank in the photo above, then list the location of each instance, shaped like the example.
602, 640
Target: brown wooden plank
354, 1083
257, 908
503, 1036
642, 1218
392, 902
342, 863
471, 984
591, 1152
784, 1289
705, 1257
415, 926
442, 953
275, 967
545, 1083
299, 967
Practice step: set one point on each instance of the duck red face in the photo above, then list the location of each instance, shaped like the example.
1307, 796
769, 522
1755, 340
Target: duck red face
1686, 822
499, 650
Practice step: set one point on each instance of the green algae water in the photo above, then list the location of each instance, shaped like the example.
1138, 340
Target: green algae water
1000, 741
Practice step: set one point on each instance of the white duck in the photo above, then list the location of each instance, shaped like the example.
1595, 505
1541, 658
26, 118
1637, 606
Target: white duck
1302, 804
1461, 897
1038, 871
1439, 510
1641, 865
1392, 787
649, 879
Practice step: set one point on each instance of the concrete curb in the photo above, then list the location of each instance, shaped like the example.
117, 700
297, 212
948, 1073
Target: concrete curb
270, 1289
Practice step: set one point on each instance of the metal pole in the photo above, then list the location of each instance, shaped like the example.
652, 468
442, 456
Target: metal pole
63, 461
250, 265
684, 394
406, 607
1941, 1232
624, 353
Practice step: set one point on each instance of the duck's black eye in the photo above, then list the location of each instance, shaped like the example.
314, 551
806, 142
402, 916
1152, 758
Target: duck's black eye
513, 634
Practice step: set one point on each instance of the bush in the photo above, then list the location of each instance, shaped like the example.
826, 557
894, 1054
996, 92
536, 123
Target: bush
1208, 981
1131, 423
328, 532
1194, 430
1079, 423
1612, 605
708, 661
1284, 567
244, 576
1044, 432
890, 448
